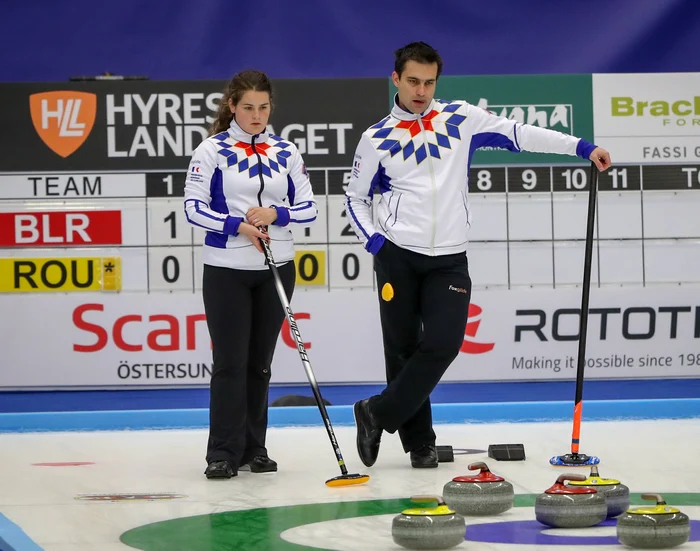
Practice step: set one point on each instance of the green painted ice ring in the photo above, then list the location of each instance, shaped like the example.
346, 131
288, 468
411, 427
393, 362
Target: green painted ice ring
261, 528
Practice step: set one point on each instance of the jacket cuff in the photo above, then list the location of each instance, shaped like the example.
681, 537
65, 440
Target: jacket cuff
375, 243
584, 149
231, 225
283, 216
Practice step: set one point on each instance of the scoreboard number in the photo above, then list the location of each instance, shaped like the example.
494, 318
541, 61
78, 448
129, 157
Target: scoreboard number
316, 233
339, 229
311, 267
351, 266
170, 268
167, 224
529, 179
575, 178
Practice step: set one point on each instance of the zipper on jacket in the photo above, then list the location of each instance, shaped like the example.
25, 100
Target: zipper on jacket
432, 180
262, 180
260, 174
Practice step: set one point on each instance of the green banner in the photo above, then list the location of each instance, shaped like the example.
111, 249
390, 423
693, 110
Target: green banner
559, 102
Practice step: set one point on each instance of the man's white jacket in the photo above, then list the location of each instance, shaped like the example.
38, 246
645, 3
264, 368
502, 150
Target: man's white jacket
419, 164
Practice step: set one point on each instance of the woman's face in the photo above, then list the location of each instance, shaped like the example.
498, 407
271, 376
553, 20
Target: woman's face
252, 111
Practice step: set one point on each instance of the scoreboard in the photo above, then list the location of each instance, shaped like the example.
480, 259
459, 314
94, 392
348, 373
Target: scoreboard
98, 204
127, 232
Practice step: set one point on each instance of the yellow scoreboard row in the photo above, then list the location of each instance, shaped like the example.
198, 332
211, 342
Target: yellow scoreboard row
23, 275
76, 274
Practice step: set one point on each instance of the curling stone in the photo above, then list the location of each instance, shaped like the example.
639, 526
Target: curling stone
658, 527
617, 495
483, 494
436, 527
569, 507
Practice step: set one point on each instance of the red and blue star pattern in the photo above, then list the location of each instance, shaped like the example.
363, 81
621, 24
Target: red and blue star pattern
439, 125
273, 154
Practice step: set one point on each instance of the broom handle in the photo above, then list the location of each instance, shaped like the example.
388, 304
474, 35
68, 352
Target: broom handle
583, 328
294, 330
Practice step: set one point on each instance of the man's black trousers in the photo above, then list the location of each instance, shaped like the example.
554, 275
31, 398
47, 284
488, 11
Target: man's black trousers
423, 305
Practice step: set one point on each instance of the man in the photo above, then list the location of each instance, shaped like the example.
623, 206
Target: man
418, 159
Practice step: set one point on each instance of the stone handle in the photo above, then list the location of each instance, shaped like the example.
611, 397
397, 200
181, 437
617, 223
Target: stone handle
428, 499
563, 478
655, 497
479, 465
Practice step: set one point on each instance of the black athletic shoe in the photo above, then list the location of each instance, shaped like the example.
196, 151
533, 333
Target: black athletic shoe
220, 469
369, 433
424, 457
260, 464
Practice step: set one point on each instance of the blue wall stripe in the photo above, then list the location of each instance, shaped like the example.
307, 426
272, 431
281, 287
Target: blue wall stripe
348, 394
599, 410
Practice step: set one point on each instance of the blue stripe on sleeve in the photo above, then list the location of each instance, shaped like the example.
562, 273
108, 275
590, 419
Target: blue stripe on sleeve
216, 191
218, 204
301, 206
200, 210
515, 135
352, 213
380, 181
493, 139
490, 139
193, 222
291, 190
306, 220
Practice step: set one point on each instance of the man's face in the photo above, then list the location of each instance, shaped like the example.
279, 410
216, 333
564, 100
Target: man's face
416, 85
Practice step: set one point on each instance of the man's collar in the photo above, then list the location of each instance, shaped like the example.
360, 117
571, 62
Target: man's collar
402, 114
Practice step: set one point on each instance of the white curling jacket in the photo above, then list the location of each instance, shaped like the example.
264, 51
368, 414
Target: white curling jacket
234, 171
419, 164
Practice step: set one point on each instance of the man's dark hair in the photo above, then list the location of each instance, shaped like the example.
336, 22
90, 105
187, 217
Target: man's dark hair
416, 51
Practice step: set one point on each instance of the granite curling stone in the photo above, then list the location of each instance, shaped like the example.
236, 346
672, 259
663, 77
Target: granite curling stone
482, 494
437, 527
564, 506
617, 495
655, 527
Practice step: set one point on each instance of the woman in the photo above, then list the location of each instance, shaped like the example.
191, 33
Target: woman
240, 181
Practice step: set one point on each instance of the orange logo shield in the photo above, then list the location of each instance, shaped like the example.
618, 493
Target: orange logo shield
63, 119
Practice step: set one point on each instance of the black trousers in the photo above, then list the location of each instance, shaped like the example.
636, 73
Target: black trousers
423, 306
244, 316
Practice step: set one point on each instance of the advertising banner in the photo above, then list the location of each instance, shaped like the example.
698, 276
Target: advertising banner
648, 118
109, 340
556, 102
143, 125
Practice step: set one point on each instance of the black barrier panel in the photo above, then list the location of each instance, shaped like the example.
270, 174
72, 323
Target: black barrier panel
142, 125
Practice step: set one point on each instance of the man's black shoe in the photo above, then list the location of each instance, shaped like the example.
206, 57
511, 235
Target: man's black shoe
220, 469
259, 464
369, 433
424, 457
